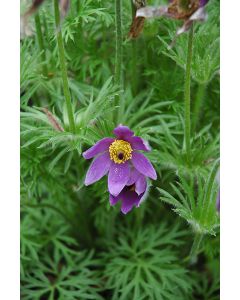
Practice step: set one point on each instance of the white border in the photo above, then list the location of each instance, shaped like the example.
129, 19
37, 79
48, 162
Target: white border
230, 149
9, 150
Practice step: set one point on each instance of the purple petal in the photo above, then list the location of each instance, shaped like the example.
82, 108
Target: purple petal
129, 199
143, 165
99, 147
134, 174
123, 132
141, 185
118, 177
142, 198
113, 200
152, 11
64, 7
186, 26
203, 2
98, 168
199, 15
138, 143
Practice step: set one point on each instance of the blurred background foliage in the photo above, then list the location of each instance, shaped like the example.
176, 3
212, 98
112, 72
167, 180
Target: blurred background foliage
73, 244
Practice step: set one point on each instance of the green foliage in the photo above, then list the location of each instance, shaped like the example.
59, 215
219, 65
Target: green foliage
54, 279
195, 201
143, 264
206, 54
208, 289
74, 245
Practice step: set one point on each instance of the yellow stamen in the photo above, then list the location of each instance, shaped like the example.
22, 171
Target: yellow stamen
120, 151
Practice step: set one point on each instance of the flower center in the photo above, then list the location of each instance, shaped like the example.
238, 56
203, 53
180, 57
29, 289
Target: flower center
120, 151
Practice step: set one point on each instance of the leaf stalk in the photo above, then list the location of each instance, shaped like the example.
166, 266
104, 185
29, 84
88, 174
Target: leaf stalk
187, 97
119, 53
61, 52
40, 40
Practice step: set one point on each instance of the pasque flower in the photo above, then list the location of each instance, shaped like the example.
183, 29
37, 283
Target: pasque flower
137, 22
186, 10
126, 166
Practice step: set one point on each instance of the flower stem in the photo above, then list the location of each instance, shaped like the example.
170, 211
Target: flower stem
61, 52
134, 57
119, 51
187, 96
198, 104
195, 247
41, 44
77, 6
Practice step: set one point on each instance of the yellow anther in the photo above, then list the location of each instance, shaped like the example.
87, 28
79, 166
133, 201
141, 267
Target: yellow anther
120, 151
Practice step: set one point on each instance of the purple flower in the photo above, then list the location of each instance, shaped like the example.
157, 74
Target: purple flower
186, 10
127, 168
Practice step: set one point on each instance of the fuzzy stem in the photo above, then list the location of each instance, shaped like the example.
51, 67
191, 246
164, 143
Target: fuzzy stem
77, 6
195, 247
41, 44
187, 96
134, 68
198, 105
61, 52
119, 51
134, 57
45, 26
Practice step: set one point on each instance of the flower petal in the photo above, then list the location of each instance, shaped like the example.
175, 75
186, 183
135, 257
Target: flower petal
199, 15
138, 143
152, 12
203, 2
118, 177
186, 26
99, 147
143, 165
64, 7
99, 167
134, 174
141, 185
123, 132
129, 199
113, 200
143, 197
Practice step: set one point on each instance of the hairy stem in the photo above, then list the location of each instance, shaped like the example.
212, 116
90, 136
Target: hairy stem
119, 51
134, 57
78, 5
187, 96
195, 247
41, 44
61, 52
198, 105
